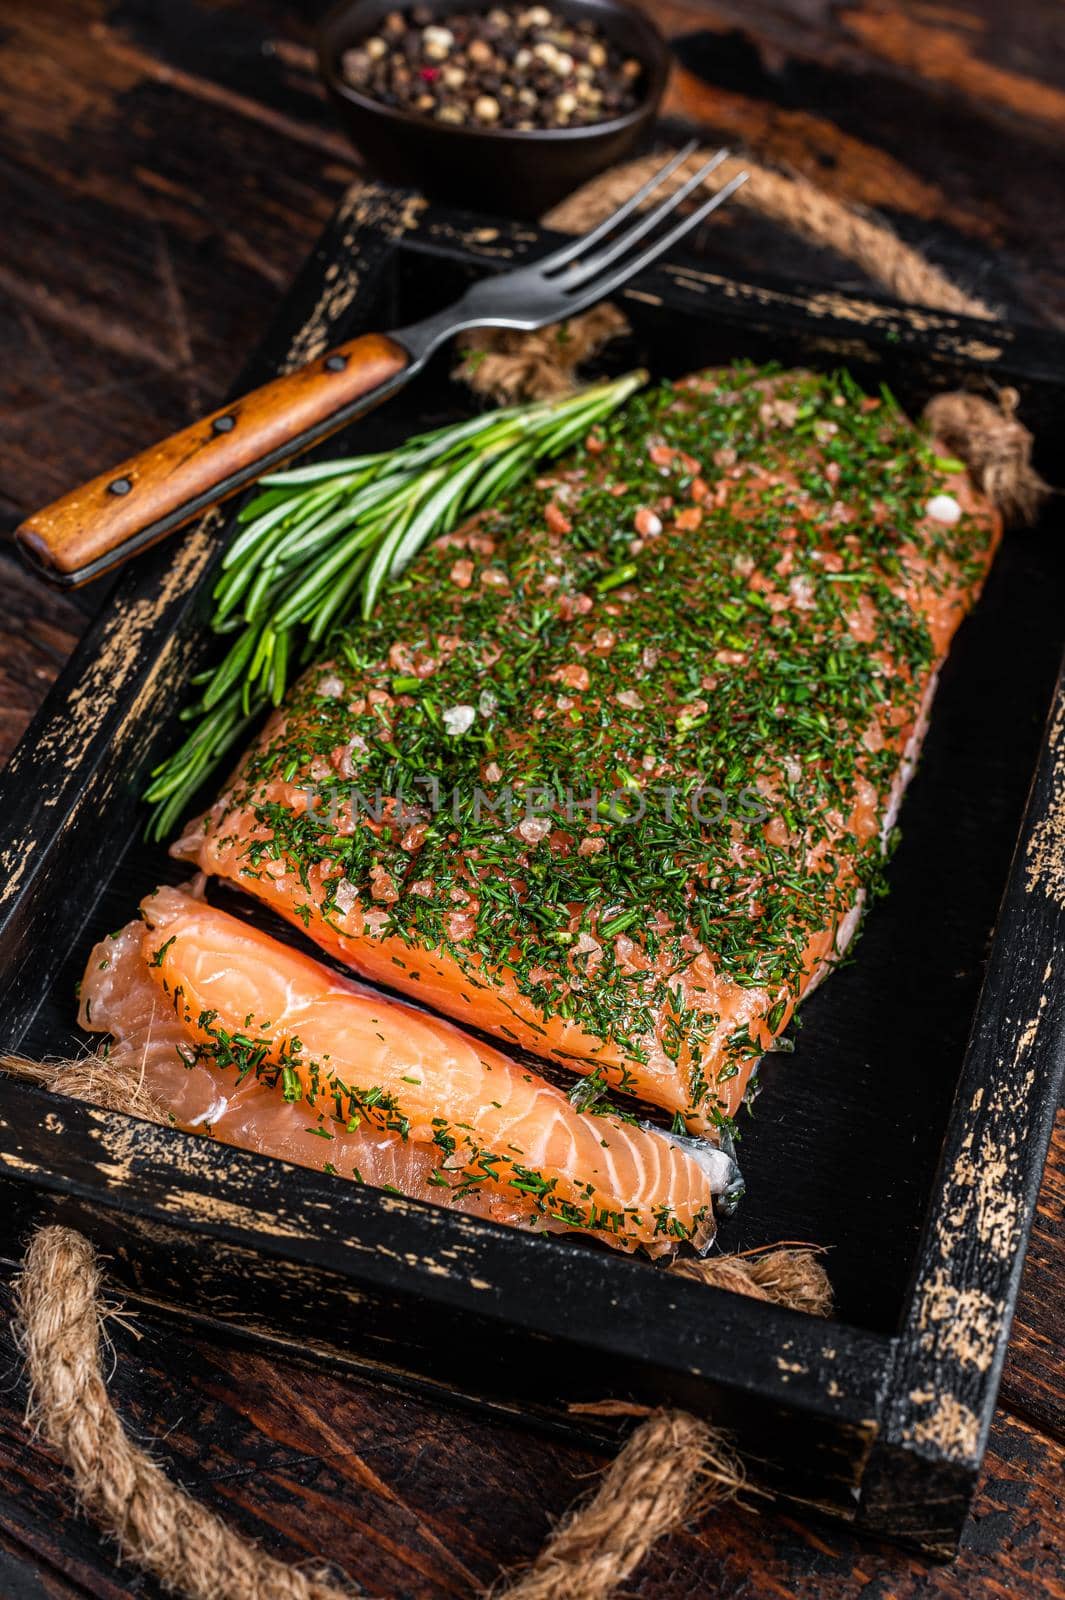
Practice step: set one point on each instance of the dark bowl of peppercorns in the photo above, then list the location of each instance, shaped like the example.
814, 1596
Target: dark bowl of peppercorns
503, 108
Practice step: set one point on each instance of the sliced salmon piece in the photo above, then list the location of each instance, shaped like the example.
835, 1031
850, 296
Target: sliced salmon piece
281, 1053
743, 589
155, 1048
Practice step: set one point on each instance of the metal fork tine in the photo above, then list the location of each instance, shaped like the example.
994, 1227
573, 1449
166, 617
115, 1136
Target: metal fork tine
587, 268
574, 247
601, 288
527, 299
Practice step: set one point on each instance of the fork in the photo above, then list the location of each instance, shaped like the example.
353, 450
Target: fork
96, 527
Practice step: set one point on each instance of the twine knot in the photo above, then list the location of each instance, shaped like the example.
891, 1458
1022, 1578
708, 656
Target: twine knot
995, 446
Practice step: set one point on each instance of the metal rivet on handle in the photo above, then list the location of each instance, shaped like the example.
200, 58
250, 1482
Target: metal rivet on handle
224, 424
119, 486
336, 363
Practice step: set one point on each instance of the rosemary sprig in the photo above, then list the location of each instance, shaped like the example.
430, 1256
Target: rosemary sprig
318, 543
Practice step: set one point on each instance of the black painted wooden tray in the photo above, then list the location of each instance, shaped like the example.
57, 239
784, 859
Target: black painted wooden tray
907, 1132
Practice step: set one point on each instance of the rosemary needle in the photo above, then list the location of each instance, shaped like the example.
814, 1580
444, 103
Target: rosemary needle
318, 543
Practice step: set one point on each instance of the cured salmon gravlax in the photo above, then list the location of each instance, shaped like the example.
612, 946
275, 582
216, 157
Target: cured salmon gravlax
258, 1044
612, 769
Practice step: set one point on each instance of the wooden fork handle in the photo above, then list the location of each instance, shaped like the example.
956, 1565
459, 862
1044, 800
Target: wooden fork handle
96, 527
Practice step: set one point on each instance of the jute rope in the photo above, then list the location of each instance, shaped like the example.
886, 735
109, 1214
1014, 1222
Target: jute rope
509, 366
506, 366
802, 207
674, 1466
158, 1526
985, 434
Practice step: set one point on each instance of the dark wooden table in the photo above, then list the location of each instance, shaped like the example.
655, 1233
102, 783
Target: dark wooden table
166, 164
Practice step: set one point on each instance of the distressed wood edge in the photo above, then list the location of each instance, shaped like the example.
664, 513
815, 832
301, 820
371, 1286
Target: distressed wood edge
941, 1391
999, 348
796, 1456
109, 662
94, 736
385, 1242
379, 218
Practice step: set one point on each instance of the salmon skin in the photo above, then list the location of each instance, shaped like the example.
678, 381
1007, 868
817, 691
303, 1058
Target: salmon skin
254, 1042
695, 661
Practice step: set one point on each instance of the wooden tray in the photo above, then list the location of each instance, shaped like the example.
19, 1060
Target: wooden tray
907, 1132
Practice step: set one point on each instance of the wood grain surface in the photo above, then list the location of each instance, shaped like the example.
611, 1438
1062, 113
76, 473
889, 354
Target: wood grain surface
166, 165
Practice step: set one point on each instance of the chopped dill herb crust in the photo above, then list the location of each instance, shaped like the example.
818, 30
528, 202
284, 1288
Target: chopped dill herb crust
696, 657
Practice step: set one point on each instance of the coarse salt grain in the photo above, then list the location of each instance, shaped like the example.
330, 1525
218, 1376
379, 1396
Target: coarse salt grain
382, 886
458, 720
573, 675
802, 591
460, 924
345, 896
944, 508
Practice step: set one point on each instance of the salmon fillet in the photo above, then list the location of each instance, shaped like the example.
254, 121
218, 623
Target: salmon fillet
695, 661
238, 1034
